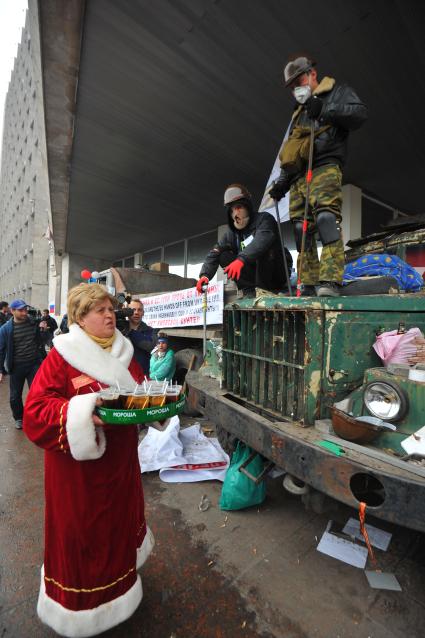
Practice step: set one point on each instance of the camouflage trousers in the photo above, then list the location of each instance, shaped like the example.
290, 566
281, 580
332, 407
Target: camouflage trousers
325, 194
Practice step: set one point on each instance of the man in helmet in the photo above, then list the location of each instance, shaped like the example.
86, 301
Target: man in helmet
336, 110
250, 251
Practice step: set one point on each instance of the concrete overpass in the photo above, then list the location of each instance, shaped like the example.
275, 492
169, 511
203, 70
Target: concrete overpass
152, 108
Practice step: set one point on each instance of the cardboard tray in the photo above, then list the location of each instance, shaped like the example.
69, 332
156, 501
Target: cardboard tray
118, 416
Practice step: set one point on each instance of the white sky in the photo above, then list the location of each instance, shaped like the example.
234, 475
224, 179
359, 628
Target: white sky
12, 19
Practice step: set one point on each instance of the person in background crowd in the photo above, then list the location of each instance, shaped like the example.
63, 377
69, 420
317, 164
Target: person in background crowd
142, 336
63, 327
250, 251
336, 110
5, 313
21, 353
96, 536
163, 363
48, 325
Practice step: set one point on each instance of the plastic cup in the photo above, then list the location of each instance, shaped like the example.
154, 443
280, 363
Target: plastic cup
124, 399
139, 401
172, 395
157, 398
110, 399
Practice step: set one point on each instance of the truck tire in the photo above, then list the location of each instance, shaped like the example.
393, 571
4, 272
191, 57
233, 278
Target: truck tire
227, 440
183, 359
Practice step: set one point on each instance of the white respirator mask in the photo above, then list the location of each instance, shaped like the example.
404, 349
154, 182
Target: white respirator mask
302, 93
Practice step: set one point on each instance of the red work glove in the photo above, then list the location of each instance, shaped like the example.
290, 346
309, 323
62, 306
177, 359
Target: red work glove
233, 270
202, 281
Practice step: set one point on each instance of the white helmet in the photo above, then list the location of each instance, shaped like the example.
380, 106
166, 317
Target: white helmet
234, 192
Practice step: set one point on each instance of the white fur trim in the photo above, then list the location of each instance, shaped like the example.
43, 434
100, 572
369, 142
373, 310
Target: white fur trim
145, 548
84, 354
81, 431
87, 622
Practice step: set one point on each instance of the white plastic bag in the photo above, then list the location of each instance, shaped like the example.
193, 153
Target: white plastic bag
392, 347
182, 456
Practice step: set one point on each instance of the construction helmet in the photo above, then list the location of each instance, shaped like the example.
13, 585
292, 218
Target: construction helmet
297, 67
235, 192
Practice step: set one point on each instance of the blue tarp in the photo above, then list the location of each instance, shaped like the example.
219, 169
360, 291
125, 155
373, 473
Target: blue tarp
380, 265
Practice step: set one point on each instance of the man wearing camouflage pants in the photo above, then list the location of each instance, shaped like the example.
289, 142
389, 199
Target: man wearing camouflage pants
335, 109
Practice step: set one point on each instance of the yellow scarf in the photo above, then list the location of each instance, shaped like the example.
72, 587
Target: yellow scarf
106, 344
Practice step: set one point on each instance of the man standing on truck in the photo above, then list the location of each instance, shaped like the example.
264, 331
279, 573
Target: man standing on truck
336, 110
250, 251
142, 336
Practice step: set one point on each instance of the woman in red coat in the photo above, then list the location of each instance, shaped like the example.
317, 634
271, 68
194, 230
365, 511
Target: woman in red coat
95, 532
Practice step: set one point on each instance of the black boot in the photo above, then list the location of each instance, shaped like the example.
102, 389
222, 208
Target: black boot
308, 290
328, 289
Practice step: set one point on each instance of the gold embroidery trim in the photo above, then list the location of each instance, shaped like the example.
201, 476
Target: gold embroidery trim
61, 431
87, 591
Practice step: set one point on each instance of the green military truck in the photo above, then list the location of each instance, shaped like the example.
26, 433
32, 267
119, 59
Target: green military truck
287, 361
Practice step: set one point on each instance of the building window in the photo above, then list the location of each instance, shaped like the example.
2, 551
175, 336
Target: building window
375, 215
174, 256
197, 248
151, 257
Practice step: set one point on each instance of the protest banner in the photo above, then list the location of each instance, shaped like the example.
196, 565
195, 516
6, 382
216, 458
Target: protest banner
183, 308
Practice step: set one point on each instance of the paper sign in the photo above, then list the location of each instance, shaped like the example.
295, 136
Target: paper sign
183, 308
342, 549
415, 444
379, 580
378, 538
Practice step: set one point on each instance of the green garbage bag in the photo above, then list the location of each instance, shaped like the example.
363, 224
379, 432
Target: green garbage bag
238, 490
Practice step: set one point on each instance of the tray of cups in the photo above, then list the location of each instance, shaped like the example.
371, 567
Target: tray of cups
141, 406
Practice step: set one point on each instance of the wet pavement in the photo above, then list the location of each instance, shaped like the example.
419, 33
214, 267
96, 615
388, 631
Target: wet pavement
214, 574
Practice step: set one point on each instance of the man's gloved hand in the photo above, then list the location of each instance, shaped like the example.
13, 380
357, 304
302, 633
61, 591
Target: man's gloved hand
202, 281
233, 270
314, 107
279, 189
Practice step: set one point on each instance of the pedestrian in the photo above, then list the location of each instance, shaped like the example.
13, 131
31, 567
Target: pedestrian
250, 251
96, 536
5, 313
21, 353
336, 110
163, 362
63, 327
48, 325
142, 336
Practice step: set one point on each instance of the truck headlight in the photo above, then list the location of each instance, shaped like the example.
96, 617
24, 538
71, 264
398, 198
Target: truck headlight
385, 400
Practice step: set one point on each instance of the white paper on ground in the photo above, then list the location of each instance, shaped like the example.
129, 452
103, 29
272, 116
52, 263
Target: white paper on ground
342, 549
380, 580
378, 538
415, 446
182, 455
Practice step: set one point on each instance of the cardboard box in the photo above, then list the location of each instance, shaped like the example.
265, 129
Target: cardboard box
160, 266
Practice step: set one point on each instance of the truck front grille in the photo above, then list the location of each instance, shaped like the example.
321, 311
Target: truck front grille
264, 359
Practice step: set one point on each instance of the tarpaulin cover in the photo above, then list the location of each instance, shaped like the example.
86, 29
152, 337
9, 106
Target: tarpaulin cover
379, 265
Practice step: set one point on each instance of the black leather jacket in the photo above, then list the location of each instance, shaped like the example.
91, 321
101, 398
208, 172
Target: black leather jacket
344, 111
264, 251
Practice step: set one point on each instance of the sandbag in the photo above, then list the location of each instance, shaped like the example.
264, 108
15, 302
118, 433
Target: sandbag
238, 490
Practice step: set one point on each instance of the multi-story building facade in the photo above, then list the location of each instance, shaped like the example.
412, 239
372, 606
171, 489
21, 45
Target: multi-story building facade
26, 254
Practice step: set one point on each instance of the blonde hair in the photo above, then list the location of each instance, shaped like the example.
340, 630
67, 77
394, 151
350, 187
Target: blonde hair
82, 298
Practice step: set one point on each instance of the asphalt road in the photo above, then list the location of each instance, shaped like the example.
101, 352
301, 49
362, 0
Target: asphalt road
215, 574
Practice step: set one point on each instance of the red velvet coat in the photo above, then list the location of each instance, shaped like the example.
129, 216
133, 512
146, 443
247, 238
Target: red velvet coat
95, 532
